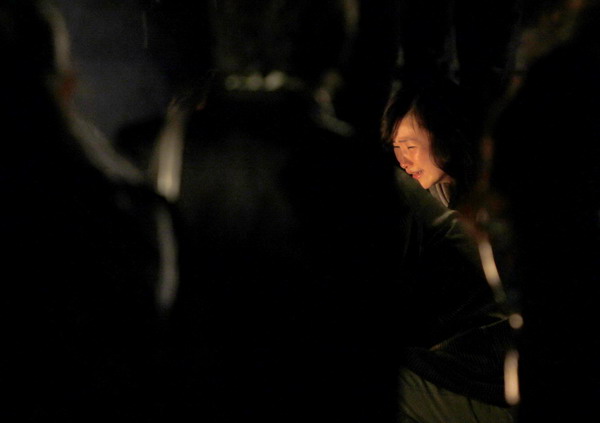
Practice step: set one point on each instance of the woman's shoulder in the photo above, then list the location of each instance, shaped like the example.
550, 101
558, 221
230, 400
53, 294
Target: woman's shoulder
442, 191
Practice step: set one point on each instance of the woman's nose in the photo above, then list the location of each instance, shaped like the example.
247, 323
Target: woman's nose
404, 161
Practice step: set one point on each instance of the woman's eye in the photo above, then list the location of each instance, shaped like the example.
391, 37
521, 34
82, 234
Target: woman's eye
410, 147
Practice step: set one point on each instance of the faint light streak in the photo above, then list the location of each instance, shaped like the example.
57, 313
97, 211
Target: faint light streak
490, 269
274, 80
169, 274
511, 378
516, 321
62, 42
168, 158
254, 82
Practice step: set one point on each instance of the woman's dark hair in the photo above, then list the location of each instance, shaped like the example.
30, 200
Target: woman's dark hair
439, 108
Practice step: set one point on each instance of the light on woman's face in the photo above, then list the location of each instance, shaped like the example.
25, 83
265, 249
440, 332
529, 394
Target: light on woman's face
412, 147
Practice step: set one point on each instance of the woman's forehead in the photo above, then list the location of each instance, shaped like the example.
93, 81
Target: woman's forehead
409, 128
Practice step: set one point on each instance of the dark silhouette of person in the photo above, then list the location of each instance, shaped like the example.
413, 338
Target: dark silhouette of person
289, 233
89, 245
545, 177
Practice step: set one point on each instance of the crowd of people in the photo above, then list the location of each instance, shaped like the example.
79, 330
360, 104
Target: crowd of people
311, 229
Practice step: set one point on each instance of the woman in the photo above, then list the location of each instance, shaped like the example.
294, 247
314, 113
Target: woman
454, 347
433, 139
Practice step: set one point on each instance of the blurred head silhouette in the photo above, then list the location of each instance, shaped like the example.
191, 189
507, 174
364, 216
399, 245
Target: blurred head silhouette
35, 47
304, 40
36, 74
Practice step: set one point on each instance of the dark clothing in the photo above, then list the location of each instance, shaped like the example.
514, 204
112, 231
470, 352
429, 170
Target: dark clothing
83, 261
422, 401
293, 246
470, 364
459, 337
553, 119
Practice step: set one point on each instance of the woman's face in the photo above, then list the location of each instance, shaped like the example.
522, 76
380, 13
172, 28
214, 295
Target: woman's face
412, 146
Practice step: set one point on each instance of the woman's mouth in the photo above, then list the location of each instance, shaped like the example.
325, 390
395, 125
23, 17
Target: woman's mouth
417, 174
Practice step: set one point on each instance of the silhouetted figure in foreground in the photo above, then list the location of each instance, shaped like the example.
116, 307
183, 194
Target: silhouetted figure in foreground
289, 235
86, 240
545, 171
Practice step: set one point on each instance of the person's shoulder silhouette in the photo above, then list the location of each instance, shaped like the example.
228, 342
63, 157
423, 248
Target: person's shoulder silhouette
82, 235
